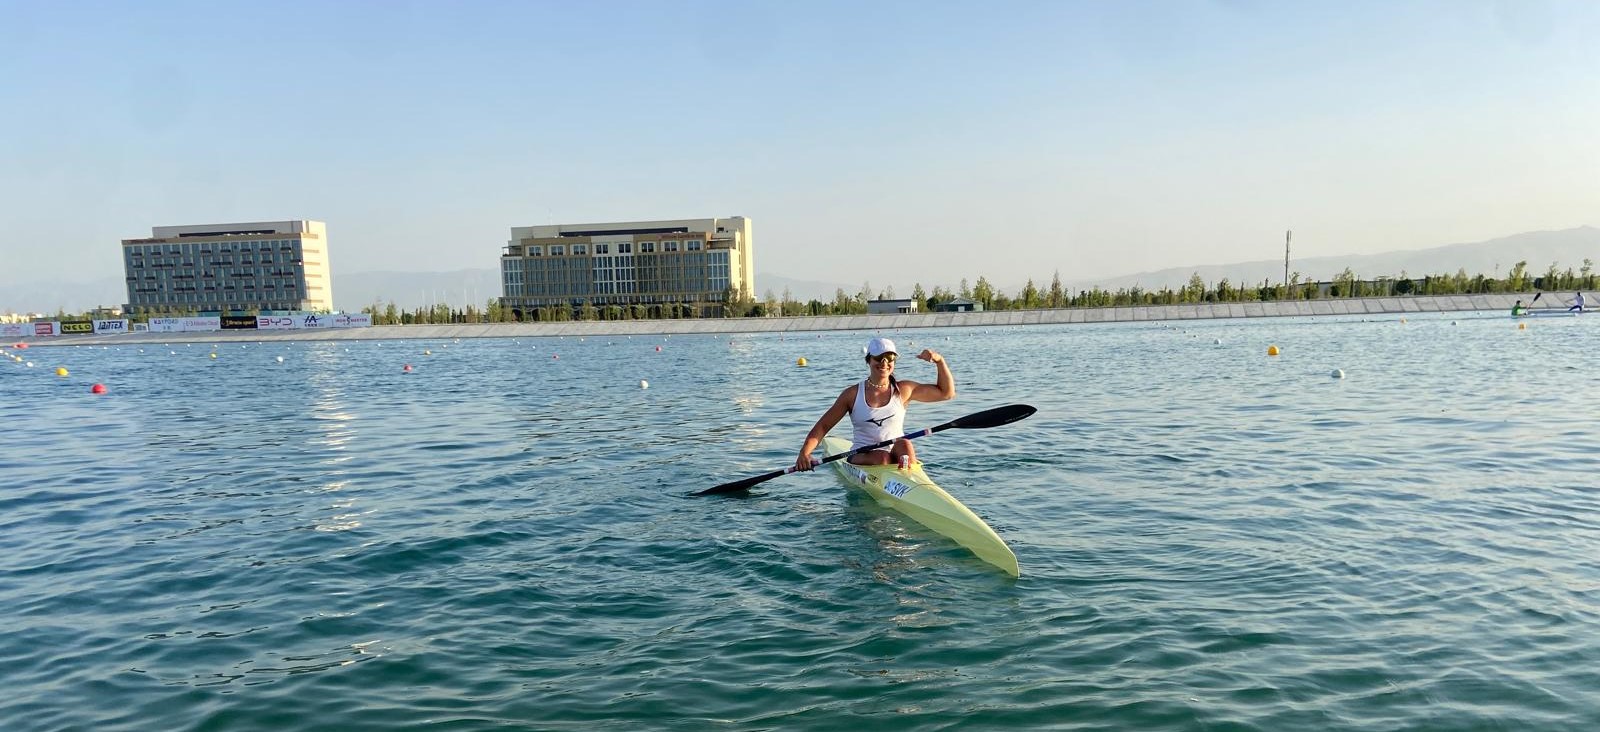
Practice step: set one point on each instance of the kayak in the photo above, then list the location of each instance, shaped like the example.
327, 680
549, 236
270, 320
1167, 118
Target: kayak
914, 494
1548, 314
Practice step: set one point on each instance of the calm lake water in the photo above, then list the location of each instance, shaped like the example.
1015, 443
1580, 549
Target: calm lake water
1210, 538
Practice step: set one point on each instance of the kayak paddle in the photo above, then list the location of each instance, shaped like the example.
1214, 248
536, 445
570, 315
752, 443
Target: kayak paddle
977, 420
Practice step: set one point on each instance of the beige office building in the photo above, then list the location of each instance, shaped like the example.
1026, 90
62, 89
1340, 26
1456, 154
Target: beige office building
264, 265
657, 264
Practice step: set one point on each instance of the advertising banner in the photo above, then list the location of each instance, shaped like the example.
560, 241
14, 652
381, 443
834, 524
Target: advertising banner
353, 320
27, 330
77, 326
238, 322
313, 321
185, 325
107, 327
275, 322
44, 329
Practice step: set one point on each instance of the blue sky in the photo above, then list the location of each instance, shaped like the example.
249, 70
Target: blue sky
895, 142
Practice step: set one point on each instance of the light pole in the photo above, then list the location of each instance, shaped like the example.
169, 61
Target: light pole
1288, 236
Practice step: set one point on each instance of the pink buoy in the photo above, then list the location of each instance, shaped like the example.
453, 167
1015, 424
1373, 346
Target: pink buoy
407, 368
658, 349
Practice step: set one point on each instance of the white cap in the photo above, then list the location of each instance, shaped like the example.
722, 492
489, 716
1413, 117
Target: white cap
880, 346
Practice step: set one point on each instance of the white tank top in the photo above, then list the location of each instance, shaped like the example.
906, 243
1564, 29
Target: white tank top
876, 424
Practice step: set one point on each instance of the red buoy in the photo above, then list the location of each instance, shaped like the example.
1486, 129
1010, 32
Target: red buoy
97, 389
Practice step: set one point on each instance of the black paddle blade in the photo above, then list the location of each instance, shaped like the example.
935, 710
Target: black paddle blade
992, 417
740, 485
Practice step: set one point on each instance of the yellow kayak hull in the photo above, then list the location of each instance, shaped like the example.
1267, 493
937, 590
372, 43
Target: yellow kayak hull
914, 494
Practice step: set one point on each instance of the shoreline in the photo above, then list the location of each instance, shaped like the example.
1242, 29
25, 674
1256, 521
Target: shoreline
811, 323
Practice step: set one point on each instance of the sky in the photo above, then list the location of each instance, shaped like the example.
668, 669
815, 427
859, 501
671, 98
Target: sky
891, 142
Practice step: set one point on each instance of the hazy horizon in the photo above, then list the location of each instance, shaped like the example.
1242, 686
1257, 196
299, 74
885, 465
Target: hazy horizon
887, 142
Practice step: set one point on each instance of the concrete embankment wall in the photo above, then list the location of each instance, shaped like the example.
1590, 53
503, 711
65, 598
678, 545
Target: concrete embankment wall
1377, 306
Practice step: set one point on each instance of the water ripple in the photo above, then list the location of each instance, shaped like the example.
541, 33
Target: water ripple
1209, 538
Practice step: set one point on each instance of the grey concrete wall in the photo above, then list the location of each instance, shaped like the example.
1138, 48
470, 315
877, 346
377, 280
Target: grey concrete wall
1377, 306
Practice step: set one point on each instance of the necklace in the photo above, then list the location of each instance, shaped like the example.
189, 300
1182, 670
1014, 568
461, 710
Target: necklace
878, 386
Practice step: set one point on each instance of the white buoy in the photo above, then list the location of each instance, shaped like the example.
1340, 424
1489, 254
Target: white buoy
280, 359
644, 384
1219, 341
1337, 373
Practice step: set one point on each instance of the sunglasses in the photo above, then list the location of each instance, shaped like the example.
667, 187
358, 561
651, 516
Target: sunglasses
885, 358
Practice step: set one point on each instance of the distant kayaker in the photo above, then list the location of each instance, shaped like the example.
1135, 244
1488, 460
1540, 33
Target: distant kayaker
877, 407
1577, 302
1517, 310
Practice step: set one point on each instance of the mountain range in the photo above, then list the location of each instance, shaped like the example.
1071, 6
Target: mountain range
352, 291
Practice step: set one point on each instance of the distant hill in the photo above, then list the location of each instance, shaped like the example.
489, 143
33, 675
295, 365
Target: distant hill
409, 290
1539, 249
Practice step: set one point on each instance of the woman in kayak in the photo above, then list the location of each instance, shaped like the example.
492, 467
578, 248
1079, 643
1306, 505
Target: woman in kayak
877, 407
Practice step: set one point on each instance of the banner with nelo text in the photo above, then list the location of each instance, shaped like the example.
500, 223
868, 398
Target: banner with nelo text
107, 327
77, 326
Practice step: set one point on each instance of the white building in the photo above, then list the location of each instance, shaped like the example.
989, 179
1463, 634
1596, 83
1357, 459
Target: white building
657, 264
264, 265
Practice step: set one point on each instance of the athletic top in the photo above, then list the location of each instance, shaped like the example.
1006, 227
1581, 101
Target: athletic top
876, 424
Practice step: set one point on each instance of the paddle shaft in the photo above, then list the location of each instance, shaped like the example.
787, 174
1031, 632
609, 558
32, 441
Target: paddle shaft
764, 477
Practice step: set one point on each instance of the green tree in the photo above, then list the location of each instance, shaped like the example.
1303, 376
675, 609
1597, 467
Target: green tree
863, 295
1517, 281
1056, 297
1346, 283
920, 296
983, 292
1030, 295
842, 304
1194, 291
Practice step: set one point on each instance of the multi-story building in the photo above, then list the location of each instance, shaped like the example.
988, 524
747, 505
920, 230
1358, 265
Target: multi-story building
264, 265
684, 263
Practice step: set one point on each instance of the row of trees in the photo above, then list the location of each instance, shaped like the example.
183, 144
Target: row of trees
740, 303
1197, 290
